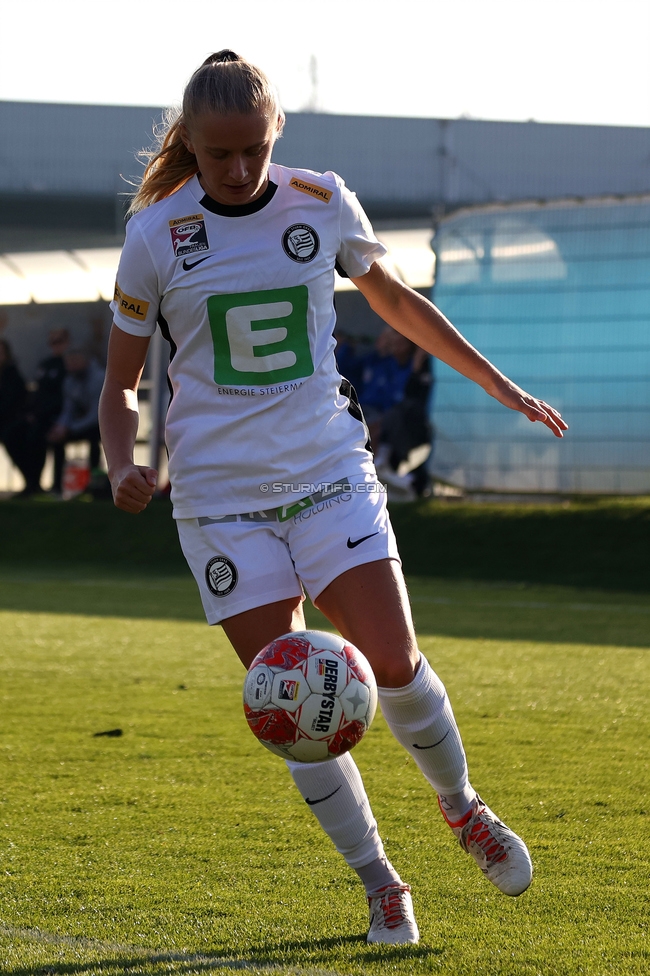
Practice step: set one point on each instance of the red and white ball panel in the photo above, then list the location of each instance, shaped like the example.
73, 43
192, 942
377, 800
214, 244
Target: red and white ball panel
309, 696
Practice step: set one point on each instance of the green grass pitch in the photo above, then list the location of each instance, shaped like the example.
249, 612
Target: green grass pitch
183, 847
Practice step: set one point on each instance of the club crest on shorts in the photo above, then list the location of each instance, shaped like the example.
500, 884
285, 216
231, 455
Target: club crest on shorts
300, 243
221, 576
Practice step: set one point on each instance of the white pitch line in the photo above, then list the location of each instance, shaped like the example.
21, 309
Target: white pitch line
156, 955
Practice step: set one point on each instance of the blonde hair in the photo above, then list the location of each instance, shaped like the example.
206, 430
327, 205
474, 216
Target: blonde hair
224, 84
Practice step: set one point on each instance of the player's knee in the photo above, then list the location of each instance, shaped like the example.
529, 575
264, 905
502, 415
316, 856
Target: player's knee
396, 671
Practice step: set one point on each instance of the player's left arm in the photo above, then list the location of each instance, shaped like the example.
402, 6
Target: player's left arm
419, 320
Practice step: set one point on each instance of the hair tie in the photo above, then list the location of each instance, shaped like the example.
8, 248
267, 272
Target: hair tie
222, 57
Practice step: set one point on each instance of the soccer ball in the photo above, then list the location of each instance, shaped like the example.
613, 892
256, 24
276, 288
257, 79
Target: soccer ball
309, 696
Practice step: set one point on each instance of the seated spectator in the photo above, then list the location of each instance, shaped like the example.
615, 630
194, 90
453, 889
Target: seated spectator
348, 360
13, 399
78, 420
394, 395
47, 400
384, 374
376, 387
407, 432
44, 407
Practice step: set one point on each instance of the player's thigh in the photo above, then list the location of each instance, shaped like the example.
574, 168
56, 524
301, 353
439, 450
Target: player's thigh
245, 575
250, 631
369, 605
344, 528
346, 555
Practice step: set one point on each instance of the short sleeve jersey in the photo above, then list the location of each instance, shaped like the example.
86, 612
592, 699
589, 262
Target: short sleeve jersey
245, 295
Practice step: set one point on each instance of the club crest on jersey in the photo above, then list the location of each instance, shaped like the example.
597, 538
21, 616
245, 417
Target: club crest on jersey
301, 243
221, 576
189, 235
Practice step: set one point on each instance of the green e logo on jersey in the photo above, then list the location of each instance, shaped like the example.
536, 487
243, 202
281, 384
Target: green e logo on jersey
260, 337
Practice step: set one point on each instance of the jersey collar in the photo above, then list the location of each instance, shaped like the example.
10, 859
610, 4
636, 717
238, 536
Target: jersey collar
237, 210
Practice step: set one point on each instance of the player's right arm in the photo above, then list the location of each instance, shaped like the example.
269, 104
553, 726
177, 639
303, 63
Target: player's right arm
133, 485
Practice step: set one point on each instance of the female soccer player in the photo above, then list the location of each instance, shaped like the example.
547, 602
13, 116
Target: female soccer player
233, 257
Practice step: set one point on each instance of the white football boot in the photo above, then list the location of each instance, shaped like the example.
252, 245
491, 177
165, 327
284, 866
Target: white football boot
391, 916
500, 854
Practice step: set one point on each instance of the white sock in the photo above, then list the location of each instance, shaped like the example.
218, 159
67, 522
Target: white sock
456, 807
421, 719
377, 875
335, 794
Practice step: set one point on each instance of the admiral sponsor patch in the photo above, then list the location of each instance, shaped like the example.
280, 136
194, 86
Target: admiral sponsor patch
134, 308
189, 235
311, 189
300, 243
221, 575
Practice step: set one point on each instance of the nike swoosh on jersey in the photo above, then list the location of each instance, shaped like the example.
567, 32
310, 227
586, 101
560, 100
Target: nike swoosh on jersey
188, 267
416, 746
322, 798
357, 542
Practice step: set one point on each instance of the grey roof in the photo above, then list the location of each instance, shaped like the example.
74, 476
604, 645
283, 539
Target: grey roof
466, 161
406, 162
71, 149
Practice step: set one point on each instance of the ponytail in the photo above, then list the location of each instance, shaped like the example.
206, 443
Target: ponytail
224, 84
167, 167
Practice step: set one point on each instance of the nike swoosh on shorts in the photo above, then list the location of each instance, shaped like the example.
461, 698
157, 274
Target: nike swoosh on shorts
357, 542
188, 267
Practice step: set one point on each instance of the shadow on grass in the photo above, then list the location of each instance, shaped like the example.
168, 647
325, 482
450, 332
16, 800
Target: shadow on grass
91, 591
590, 542
441, 608
277, 958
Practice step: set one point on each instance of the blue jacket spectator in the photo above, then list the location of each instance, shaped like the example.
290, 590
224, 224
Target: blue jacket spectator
348, 361
394, 395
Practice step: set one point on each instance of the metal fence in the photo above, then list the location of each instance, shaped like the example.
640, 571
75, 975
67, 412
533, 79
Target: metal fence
558, 296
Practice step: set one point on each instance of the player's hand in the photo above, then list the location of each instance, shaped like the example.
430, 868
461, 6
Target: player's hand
134, 487
512, 396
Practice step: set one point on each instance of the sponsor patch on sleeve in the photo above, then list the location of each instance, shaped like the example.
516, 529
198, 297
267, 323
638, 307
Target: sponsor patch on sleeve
134, 308
311, 189
189, 235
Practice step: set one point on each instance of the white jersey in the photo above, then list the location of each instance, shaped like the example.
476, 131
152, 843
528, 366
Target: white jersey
245, 296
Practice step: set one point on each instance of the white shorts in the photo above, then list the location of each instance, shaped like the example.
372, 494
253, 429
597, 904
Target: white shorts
246, 561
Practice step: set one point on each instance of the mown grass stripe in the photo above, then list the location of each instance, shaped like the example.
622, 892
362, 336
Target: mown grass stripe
155, 955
